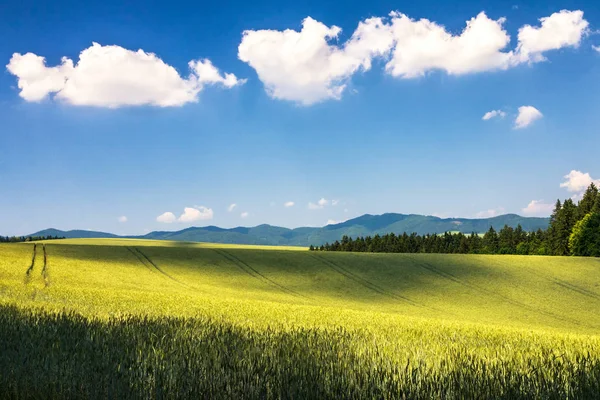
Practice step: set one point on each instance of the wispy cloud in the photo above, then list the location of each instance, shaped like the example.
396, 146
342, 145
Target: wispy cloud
493, 114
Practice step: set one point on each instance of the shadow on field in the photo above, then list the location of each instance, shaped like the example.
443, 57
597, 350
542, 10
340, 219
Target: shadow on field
50, 355
477, 288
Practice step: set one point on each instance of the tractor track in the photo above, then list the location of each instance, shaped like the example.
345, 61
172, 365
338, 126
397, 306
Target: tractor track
143, 258
254, 273
365, 283
491, 293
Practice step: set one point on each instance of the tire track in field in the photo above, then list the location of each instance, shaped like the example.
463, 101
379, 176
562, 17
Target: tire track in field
30, 269
491, 293
144, 258
365, 283
576, 288
254, 273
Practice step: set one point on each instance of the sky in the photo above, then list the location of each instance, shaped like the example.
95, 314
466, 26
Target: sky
147, 116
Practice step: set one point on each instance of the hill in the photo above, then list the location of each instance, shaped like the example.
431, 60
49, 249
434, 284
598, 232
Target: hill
190, 319
305, 236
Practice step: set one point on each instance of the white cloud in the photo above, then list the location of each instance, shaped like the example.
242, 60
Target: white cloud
538, 207
423, 45
306, 67
122, 219
190, 214
111, 76
335, 202
196, 213
492, 114
527, 115
332, 222
597, 48
244, 214
166, 218
289, 204
577, 181
231, 207
303, 66
561, 29
493, 212
319, 205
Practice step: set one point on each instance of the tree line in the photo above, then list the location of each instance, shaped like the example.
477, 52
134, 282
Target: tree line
574, 229
16, 239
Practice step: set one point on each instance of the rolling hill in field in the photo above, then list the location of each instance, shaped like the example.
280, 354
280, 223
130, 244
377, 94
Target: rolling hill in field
530, 291
130, 318
361, 226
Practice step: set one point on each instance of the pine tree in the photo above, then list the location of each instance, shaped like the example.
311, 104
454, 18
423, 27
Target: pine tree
552, 237
587, 202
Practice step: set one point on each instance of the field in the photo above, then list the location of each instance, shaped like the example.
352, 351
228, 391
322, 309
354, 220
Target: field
131, 318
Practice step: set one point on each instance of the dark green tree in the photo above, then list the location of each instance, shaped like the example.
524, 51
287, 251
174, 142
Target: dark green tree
585, 239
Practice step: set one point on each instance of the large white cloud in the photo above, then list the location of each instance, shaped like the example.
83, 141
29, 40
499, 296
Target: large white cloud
308, 66
561, 29
577, 181
190, 214
538, 207
111, 76
527, 115
423, 45
303, 66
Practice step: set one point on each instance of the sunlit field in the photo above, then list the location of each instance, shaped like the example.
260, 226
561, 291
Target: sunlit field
131, 318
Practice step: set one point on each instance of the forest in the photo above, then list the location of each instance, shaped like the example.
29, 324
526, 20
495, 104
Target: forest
574, 229
17, 239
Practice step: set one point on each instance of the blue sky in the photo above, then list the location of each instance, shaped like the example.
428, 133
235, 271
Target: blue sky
389, 119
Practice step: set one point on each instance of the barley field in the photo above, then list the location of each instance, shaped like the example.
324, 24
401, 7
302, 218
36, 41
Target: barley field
108, 318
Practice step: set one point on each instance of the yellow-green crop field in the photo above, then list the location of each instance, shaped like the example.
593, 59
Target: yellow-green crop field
150, 319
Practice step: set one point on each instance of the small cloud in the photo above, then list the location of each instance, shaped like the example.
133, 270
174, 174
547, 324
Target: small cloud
335, 202
527, 115
289, 204
231, 207
122, 219
244, 214
538, 207
195, 213
597, 48
190, 214
515, 7
577, 181
319, 205
490, 213
493, 114
166, 218
334, 221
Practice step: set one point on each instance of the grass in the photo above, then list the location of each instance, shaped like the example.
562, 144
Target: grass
131, 318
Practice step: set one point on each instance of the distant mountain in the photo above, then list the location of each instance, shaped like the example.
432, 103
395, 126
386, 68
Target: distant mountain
361, 226
78, 233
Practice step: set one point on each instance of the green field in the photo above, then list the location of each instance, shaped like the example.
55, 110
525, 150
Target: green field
128, 318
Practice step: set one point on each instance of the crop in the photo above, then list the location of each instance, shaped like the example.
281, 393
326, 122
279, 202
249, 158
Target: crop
131, 319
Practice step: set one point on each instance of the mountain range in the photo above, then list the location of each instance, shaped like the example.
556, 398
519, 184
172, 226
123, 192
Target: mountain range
361, 226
